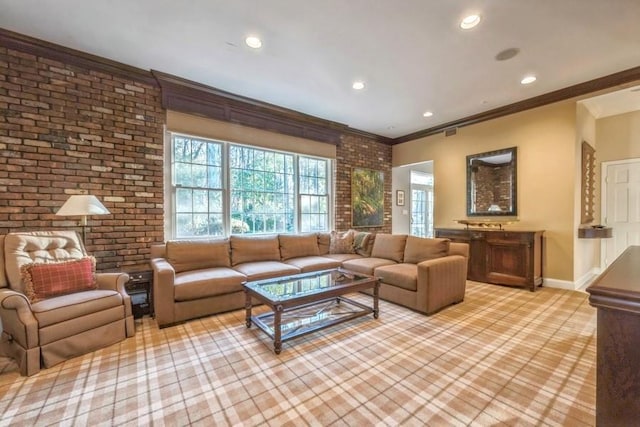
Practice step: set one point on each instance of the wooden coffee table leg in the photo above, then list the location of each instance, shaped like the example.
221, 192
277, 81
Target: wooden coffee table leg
247, 306
375, 300
277, 329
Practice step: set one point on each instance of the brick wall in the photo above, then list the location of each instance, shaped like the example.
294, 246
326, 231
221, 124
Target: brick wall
69, 130
360, 152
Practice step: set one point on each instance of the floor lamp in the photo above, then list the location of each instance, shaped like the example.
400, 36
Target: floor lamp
83, 205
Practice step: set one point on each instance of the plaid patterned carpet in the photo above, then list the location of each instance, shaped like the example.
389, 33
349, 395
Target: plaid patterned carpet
502, 357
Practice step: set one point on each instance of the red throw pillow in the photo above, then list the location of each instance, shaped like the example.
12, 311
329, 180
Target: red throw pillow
51, 279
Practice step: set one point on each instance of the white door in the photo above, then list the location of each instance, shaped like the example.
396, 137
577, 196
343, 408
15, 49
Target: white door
620, 207
419, 210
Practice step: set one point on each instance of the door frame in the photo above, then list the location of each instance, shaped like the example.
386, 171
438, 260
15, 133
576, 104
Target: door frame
603, 196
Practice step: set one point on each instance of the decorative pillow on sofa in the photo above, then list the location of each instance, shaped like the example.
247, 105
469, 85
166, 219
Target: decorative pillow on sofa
341, 243
389, 246
186, 255
294, 246
363, 242
420, 249
45, 280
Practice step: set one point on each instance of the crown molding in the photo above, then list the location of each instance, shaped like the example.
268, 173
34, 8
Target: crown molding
186, 96
606, 82
191, 97
73, 57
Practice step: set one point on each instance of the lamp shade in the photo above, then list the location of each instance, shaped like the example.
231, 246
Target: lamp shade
83, 204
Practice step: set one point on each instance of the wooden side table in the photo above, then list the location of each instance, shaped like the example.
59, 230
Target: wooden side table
140, 288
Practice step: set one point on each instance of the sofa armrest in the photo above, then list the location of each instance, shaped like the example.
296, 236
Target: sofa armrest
441, 281
18, 321
163, 290
458, 248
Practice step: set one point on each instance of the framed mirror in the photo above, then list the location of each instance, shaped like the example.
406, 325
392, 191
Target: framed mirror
492, 183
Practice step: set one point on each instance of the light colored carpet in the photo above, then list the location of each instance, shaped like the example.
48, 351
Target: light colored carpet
502, 357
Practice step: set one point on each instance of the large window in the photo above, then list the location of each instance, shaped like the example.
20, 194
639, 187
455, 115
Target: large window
262, 191
221, 188
314, 194
198, 187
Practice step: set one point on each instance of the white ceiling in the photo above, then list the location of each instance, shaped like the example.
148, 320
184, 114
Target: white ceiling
411, 53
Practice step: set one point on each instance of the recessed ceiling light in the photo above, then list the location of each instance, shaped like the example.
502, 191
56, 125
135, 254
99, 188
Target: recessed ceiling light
253, 42
528, 80
470, 22
427, 114
358, 85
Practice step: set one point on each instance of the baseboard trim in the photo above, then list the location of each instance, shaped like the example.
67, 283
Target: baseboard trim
559, 284
578, 285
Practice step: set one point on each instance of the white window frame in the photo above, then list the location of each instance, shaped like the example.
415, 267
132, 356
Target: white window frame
170, 188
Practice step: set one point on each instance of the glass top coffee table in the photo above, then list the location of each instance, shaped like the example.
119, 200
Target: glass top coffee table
304, 303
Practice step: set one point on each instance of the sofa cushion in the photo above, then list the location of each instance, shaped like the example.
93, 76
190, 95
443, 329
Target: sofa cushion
313, 263
342, 257
195, 284
324, 243
72, 306
404, 276
302, 245
341, 243
265, 269
389, 246
366, 265
420, 249
186, 255
254, 248
46, 280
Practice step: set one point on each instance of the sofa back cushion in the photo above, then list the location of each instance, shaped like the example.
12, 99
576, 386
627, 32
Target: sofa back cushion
38, 246
420, 249
294, 246
389, 246
254, 248
324, 243
187, 255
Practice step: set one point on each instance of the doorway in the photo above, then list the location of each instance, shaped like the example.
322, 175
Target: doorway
412, 213
620, 207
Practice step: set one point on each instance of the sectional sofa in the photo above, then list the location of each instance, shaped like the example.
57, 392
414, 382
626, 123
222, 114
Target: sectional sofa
197, 278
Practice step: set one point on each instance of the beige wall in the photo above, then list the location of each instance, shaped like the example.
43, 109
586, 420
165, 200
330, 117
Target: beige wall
618, 137
546, 141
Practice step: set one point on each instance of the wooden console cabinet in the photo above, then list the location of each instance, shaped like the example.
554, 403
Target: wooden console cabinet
616, 295
502, 257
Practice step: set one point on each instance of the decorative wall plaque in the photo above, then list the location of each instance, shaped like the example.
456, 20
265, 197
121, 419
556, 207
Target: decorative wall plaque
587, 209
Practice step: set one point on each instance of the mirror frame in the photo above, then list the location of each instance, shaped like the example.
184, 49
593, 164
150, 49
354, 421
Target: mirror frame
514, 180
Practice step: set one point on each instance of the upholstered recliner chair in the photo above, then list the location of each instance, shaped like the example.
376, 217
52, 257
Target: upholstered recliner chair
51, 307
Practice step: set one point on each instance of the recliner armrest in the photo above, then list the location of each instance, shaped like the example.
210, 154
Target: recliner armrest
116, 282
113, 282
17, 318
